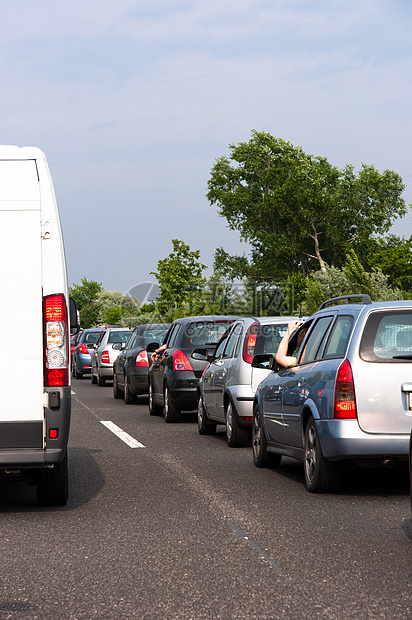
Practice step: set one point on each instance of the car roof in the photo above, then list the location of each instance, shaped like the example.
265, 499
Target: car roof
210, 317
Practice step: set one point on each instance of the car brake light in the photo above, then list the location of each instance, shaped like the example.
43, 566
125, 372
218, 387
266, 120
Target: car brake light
180, 361
105, 359
83, 349
56, 342
142, 361
345, 404
250, 342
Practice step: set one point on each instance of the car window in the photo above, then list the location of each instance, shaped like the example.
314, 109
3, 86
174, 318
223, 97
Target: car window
172, 335
221, 346
153, 335
231, 343
339, 337
269, 338
204, 332
92, 337
387, 337
313, 344
118, 337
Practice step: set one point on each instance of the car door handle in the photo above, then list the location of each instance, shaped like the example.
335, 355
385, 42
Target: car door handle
219, 363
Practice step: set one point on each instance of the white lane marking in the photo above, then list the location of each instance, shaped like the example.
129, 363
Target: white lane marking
256, 547
128, 439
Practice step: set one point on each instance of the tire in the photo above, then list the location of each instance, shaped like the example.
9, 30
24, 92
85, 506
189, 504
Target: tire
153, 408
101, 381
129, 397
236, 436
93, 378
117, 393
321, 475
204, 425
261, 457
53, 485
76, 373
171, 413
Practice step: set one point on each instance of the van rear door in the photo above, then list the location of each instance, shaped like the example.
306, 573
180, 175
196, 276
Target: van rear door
21, 316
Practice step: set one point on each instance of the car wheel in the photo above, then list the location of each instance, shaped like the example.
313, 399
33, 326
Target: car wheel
129, 397
93, 377
203, 423
117, 393
53, 485
100, 380
171, 412
76, 373
321, 475
261, 457
236, 436
153, 408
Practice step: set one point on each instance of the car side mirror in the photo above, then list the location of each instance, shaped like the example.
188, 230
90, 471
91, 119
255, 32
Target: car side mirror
74, 316
118, 345
264, 360
151, 348
202, 355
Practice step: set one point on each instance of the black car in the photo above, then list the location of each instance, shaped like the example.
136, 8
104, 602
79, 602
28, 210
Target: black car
173, 377
131, 367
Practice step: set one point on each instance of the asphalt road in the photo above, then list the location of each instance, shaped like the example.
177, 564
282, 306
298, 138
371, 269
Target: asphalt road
181, 526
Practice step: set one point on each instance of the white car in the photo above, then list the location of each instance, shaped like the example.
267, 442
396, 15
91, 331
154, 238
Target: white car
103, 354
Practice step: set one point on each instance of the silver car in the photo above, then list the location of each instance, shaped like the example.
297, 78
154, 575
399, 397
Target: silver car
227, 387
348, 399
103, 354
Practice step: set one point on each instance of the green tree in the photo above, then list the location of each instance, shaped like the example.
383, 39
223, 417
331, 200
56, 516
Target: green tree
115, 306
297, 211
85, 294
179, 276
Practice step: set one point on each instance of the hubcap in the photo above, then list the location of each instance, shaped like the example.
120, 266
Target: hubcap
310, 457
200, 412
256, 435
229, 422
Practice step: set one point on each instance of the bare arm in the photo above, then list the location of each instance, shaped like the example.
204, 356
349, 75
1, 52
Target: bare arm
281, 355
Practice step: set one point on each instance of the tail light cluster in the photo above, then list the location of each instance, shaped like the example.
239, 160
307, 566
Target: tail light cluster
56, 340
250, 342
345, 403
180, 361
105, 358
83, 349
142, 361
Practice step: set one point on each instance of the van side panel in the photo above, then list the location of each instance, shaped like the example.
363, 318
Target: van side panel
21, 320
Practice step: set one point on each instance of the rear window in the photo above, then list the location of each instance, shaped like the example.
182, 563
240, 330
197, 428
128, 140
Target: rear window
118, 337
204, 332
269, 337
387, 337
92, 337
153, 335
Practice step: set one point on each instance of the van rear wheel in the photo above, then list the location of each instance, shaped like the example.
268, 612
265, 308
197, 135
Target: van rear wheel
53, 484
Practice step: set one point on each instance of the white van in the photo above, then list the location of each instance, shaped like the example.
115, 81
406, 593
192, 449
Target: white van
35, 395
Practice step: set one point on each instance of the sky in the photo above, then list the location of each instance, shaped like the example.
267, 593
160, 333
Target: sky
132, 102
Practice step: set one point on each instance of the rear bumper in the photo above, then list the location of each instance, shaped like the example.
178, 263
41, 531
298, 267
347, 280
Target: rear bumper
344, 439
183, 391
28, 444
139, 380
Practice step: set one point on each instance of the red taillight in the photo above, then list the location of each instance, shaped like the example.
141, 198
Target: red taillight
55, 308
105, 359
250, 342
142, 361
345, 404
180, 361
56, 342
83, 349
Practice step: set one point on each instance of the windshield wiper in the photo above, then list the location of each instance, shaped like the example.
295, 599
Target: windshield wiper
403, 357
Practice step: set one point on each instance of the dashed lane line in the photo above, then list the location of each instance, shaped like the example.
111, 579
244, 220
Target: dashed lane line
128, 439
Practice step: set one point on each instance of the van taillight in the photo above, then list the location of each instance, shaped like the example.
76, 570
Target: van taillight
345, 404
56, 341
180, 361
142, 361
250, 342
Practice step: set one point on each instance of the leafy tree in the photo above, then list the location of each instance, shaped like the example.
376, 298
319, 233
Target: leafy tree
393, 255
352, 279
298, 212
180, 278
85, 294
114, 306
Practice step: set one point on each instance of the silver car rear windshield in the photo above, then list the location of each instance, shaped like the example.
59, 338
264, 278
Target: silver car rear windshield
387, 337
